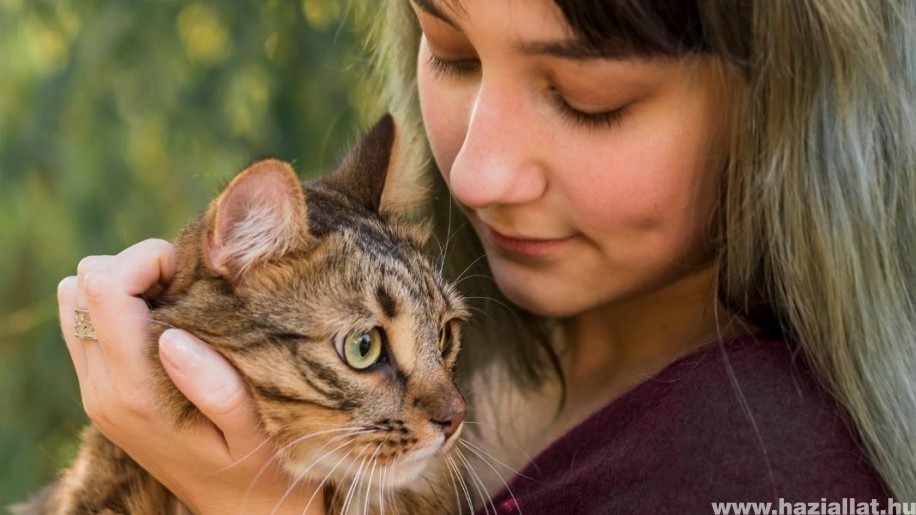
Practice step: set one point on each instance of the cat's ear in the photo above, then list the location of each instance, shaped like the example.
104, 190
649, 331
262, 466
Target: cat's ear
260, 216
370, 174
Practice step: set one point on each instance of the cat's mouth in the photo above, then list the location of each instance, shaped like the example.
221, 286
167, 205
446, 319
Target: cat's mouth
352, 460
449, 443
406, 468
409, 466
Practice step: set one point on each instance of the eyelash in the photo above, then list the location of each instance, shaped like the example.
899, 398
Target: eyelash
443, 68
591, 121
603, 120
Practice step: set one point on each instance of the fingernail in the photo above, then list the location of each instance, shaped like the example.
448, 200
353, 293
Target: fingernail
181, 350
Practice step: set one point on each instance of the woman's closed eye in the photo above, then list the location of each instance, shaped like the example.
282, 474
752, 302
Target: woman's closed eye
590, 120
446, 68
597, 120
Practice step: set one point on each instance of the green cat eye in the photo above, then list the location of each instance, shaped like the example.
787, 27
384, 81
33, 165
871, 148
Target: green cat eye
445, 339
362, 349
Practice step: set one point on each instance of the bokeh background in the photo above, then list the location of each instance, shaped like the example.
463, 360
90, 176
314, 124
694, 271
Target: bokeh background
119, 119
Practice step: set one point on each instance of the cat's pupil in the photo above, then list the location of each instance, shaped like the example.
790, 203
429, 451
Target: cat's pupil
365, 344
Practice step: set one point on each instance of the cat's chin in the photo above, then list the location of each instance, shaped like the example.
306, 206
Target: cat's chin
406, 469
403, 471
398, 474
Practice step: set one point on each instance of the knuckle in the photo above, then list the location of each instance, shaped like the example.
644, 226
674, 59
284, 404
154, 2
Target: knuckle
227, 400
154, 247
117, 407
66, 290
96, 285
158, 242
88, 264
133, 404
94, 409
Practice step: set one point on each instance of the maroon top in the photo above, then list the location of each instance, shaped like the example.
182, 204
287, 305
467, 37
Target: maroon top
743, 421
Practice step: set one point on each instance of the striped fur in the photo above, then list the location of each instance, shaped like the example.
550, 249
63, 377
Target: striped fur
273, 275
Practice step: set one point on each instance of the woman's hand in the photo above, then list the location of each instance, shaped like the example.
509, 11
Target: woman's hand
221, 467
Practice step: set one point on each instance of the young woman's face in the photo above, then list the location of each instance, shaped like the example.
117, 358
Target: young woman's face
589, 180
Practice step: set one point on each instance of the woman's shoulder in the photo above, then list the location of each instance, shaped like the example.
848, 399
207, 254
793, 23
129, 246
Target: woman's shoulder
753, 413
739, 421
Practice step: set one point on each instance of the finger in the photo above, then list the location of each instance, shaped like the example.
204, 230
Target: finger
67, 291
146, 266
90, 263
83, 269
95, 361
91, 370
122, 318
213, 385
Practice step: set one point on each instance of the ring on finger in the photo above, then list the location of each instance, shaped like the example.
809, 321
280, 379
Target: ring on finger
82, 325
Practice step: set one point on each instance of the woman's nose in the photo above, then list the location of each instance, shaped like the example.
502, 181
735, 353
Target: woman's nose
498, 162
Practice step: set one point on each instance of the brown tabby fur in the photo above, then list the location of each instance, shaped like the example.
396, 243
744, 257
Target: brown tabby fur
271, 276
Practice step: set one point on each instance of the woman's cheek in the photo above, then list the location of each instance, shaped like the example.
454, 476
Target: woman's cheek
446, 109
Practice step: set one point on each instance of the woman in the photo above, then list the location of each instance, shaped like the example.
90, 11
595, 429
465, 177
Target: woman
700, 218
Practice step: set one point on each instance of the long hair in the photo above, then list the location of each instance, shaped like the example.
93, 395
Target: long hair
816, 227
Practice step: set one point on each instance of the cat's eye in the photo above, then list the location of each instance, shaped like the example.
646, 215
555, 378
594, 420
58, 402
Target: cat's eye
363, 349
445, 339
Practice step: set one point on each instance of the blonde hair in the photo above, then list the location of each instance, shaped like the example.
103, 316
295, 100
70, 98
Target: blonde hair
816, 232
818, 217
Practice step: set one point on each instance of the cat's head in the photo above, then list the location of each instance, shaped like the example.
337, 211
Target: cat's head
345, 333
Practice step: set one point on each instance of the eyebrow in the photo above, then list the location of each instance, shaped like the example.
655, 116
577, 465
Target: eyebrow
571, 49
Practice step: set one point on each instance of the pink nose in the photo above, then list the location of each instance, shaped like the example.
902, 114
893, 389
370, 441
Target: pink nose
449, 421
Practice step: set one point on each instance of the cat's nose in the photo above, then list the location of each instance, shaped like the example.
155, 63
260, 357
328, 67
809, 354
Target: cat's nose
449, 421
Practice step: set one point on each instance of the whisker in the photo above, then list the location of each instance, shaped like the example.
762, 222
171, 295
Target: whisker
160, 322
267, 440
381, 485
468, 268
374, 462
285, 495
481, 312
499, 302
512, 442
389, 493
325, 455
472, 276
478, 484
277, 457
304, 473
438, 244
487, 463
451, 474
481, 453
461, 482
325, 480
449, 234
279, 454
440, 266
351, 430
353, 486
257, 476
240, 460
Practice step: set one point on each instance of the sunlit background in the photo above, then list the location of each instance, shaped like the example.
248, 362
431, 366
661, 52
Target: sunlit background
118, 121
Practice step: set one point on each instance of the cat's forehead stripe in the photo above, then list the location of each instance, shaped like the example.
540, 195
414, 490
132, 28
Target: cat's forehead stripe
386, 301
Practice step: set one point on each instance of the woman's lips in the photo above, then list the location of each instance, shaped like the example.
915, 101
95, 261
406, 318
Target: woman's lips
526, 246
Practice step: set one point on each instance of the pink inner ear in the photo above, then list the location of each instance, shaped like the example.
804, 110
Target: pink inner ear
259, 217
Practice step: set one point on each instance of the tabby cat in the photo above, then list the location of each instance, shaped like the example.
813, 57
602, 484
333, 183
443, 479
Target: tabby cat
319, 294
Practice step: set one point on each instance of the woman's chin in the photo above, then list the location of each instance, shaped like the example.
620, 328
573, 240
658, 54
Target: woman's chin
539, 299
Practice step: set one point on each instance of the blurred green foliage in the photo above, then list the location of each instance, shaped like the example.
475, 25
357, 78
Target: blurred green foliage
118, 121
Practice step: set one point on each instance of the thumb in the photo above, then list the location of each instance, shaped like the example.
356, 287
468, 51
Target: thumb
214, 386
